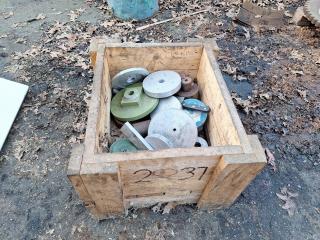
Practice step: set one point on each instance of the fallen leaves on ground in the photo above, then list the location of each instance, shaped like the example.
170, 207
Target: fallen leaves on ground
287, 197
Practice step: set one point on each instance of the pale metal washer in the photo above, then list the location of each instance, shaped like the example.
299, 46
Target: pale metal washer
165, 104
158, 142
162, 84
175, 125
201, 142
128, 76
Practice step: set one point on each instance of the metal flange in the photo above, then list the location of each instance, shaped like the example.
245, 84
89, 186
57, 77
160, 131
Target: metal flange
201, 142
122, 145
131, 103
162, 84
158, 142
165, 104
128, 76
176, 126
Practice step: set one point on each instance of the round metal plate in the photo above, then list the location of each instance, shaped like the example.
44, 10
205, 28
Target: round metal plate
122, 145
128, 77
198, 117
135, 111
201, 142
165, 104
158, 142
176, 126
162, 84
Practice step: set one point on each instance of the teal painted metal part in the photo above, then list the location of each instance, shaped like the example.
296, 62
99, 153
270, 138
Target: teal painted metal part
134, 9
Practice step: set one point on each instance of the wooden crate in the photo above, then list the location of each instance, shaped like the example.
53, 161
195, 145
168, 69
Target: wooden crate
213, 177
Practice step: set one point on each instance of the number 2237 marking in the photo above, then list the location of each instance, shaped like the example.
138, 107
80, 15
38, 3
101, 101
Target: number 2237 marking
190, 171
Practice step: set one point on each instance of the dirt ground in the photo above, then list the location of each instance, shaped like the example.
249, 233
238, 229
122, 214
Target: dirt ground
274, 77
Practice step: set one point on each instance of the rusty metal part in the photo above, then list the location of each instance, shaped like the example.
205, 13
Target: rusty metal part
189, 88
142, 127
312, 11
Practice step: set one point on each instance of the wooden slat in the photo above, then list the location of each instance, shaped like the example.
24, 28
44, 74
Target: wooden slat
177, 153
94, 116
231, 176
73, 174
181, 59
104, 187
223, 124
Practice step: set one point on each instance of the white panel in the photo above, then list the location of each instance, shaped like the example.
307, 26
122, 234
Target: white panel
11, 98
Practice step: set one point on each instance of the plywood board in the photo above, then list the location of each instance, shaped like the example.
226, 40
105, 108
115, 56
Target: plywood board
11, 98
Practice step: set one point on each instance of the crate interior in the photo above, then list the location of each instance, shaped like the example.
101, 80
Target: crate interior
191, 60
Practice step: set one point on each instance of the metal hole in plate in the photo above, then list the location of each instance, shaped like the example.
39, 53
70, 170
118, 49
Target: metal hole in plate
161, 81
131, 93
197, 144
174, 129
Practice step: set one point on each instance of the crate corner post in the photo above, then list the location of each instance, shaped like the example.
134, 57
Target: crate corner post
232, 175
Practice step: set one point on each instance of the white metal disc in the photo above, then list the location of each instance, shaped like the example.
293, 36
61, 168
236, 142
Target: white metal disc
162, 84
175, 125
201, 142
165, 104
128, 76
158, 142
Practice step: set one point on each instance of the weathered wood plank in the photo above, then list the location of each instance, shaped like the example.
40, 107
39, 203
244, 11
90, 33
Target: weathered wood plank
180, 59
104, 187
73, 174
94, 116
231, 176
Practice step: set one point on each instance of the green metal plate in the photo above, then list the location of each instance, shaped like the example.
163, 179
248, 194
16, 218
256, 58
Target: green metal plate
131, 103
122, 145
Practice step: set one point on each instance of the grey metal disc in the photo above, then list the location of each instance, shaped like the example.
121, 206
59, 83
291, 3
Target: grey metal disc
201, 142
128, 77
175, 125
158, 142
162, 84
165, 104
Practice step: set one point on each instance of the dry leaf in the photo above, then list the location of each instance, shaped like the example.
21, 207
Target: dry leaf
271, 159
299, 73
289, 204
303, 94
156, 208
40, 16
7, 15
168, 207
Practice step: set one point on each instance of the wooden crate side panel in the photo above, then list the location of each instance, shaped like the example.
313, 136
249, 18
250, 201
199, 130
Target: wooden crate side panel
231, 176
105, 190
219, 124
164, 179
229, 128
180, 59
93, 124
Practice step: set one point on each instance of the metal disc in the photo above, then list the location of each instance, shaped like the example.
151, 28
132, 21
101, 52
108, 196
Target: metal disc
158, 142
133, 105
162, 84
198, 117
122, 145
201, 142
128, 77
176, 126
195, 104
165, 104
